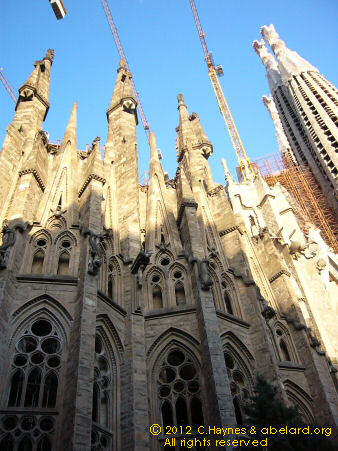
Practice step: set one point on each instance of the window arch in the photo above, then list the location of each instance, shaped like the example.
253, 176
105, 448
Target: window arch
111, 281
179, 286
37, 263
180, 294
157, 297
39, 245
102, 401
65, 243
284, 343
227, 302
63, 264
35, 368
156, 294
179, 389
240, 384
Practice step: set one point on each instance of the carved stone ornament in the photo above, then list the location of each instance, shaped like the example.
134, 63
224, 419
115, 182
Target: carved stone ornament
268, 312
95, 258
206, 282
58, 212
321, 264
8, 240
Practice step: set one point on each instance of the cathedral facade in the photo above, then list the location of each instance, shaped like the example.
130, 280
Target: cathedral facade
125, 305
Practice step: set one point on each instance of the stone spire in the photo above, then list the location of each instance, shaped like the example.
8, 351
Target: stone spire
37, 84
123, 93
289, 62
227, 174
121, 150
272, 72
155, 165
71, 129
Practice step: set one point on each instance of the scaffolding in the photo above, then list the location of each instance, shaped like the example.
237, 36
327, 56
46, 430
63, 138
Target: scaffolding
310, 204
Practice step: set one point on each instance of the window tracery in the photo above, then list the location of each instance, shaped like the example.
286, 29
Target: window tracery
240, 387
284, 344
178, 280
39, 255
179, 390
156, 292
102, 408
37, 252
35, 369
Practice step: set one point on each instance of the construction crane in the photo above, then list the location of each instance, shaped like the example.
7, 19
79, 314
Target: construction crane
7, 86
123, 57
215, 72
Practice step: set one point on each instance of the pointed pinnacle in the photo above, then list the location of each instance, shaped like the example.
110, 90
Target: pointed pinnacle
227, 173
71, 129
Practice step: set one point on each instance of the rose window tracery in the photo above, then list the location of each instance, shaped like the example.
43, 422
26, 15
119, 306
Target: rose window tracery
179, 390
34, 380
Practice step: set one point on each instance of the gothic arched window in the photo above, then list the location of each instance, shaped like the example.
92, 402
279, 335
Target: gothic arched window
157, 297
180, 294
41, 243
37, 357
111, 281
35, 368
64, 250
179, 390
63, 264
239, 384
178, 280
227, 302
102, 397
37, 263
284, 344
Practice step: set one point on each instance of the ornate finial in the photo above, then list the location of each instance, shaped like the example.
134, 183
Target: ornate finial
262, 52
289, 62
180, 98
271, 37
50, 55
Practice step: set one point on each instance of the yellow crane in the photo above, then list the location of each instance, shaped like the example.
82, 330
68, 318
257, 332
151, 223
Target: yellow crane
215, 72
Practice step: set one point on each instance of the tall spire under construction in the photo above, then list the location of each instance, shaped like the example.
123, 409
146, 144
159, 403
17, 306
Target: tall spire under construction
307, 106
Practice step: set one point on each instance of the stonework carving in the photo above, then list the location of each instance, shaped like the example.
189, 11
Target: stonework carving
8, 239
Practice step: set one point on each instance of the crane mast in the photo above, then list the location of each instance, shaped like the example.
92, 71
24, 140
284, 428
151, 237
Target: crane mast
214, 72
7, 86
123, 57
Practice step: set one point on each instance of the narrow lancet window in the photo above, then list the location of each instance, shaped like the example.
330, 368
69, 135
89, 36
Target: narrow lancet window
157, 297
180, 294
37, 264
63, 264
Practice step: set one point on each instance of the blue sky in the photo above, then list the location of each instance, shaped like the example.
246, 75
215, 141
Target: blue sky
165, 56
